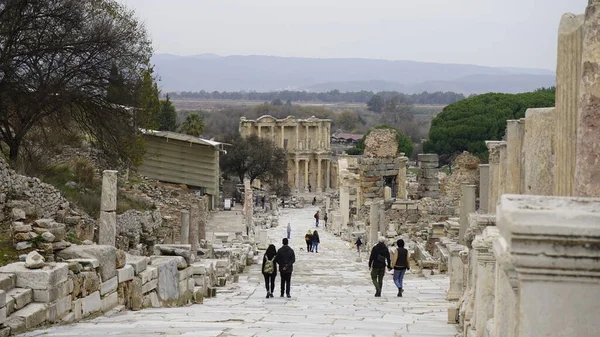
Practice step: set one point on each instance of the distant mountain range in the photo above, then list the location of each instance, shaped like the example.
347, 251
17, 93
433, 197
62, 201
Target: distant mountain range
211, 72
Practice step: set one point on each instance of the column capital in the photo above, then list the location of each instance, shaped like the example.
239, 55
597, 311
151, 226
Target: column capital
494, 150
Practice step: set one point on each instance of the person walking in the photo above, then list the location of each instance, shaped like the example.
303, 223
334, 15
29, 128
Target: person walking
315, 242
317, 218
325, 220
314, 202
269, 269
358, 244
289, 230
380, 257
285, 259
308, 239
401, 265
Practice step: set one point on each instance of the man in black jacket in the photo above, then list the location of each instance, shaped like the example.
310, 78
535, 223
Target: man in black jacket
285, 260
380, 257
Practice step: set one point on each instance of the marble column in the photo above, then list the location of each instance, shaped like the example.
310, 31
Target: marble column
587, 170
184, 238
568, 75
373, 222
297, 137
306, 139
401, 179
494, 173
554, 245
344, 206
202, 206
538, 151
259, 133
484, 187
194, 222
515, 131
467, 206
319, 137
297, 175
107, 227
502, 169
328, 176
306, 182
283, 136
319, 177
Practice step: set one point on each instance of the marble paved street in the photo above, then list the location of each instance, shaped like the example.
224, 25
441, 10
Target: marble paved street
332, 295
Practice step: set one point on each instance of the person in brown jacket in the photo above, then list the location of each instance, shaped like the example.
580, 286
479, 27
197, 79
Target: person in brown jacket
400, 264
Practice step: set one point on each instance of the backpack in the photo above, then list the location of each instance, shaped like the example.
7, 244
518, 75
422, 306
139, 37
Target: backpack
269, 266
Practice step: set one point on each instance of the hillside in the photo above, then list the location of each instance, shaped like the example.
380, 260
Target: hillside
266, 73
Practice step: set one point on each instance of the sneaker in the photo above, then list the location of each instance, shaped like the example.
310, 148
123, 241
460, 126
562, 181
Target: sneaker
399, 292
288, 296
268, 295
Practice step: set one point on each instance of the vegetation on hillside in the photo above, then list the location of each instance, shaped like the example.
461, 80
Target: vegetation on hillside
405, 145
467, 124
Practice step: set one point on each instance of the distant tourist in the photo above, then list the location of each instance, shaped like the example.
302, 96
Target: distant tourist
401, 265
315, 242
380, 257
262, 200
317, 218
289, 230
314, 202
309, 187
308, 239
358, 244
325, 220
285, 260
269, 269
282, 203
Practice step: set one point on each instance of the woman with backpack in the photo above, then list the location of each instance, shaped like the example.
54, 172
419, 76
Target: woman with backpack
308, 239
269, 269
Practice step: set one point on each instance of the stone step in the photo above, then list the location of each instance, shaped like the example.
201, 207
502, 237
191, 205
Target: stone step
17, 299
28, 317
7, 281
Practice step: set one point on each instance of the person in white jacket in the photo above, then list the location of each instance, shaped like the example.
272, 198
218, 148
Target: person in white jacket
289, 230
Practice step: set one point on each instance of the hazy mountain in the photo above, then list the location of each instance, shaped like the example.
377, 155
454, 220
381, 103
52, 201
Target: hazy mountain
266, 73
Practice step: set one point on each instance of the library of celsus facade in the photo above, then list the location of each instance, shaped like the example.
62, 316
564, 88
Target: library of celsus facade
307, 144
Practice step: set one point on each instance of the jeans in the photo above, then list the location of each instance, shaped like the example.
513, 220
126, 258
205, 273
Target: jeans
270, 281
315, 247
286, 278
377, 278
289, 234
399, 277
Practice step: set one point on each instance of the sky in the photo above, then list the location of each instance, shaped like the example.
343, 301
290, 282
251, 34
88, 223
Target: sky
498, 33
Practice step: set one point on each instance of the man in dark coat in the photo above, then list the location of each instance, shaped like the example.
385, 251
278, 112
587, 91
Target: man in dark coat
379, 259
285, 259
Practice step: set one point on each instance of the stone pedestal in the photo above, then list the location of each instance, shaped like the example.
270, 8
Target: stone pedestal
486, 277
467, 206
587, 172
554, 245
263, 242
515, 131
484, 187
568, 75
185, 227
506, 292
538, 151
456, 270
429, 184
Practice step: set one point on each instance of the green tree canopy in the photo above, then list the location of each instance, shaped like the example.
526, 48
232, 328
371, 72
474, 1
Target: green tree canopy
376, 103
167, 117
468, 123
405, 145
193, 125
255, 158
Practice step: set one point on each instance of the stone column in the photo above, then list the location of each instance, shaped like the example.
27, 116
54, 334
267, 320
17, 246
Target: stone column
484, 187
107, 228
554, 245
297, 175
319, 177
515, 131
538, 151
194, 223
456, 271
344, 205
587, 171
568, 75
401, 179
306, 138
306, 182
319, 137
202, 220
486, 276
429, 184
259, 127
283, 136
248, 207
328, 176
506, 292
297, 137
373, 222
184, 238
383, 225
494, 173
467, 206
502, 169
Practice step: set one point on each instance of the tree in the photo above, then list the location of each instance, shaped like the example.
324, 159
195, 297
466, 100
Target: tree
375, 104
58, 60
193, 125
396, 110
168, 116
467, 124
405, 145
255, 158
346, 120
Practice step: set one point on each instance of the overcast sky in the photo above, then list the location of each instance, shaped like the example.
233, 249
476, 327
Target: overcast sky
510, 33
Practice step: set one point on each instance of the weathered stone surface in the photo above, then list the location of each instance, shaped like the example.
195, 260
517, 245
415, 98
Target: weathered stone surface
168, 277
18, 214
58, 309
57, 292
23, 245
109, 286
136, 297
77, 308
107, 228
109, 191
110, 301
7, 281
121, 259
125, 274
91, 304
139, 263
538, 151
515, 133
150, 286
44, 278
29, 317
19, 227
34, 260
184, 237
48, 237
381, 143
21, 297
106, 254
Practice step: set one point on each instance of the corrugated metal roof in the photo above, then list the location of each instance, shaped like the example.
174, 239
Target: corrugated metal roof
183, 137
347, 136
